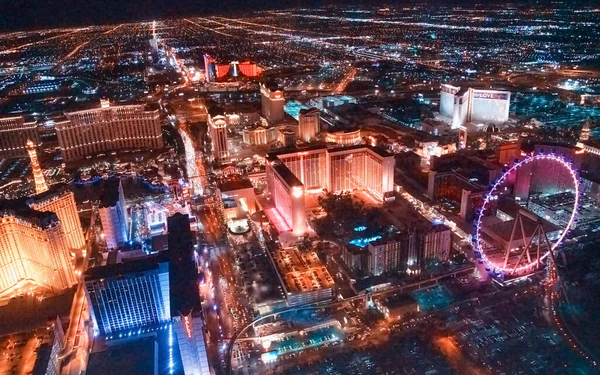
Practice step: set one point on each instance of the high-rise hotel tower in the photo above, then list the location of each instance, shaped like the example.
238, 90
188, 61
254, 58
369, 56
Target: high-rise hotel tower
109, 128
36, 236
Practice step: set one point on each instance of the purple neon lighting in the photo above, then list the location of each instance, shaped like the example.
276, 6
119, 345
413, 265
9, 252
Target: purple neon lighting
490, 196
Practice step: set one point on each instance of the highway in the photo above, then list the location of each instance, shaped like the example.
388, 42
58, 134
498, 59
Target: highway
348, 77
191, 159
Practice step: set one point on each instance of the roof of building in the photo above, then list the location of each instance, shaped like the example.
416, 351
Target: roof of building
309, 111
272, 86
379, 151
503, 229
183, 274
399, 300
20, 208
22, 313
462, 91
288, 176
312, 147
512, 208
236, 184
115, 108
301, 271
355, 250
42, 360
131, 357
109, 192
395, 237
215, 110
259, 277
139, 265
54, 191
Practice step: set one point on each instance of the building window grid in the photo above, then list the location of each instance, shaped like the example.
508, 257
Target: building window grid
128, 303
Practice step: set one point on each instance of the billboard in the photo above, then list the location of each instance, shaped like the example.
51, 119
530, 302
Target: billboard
491, 95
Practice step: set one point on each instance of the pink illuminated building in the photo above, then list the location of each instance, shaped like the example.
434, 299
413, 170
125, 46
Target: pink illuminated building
290, 175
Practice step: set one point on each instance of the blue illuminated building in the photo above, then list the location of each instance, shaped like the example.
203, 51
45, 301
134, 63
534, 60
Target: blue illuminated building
152, 295
127, 296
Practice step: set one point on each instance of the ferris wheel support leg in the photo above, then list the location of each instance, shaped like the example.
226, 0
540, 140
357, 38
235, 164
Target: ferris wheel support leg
537, 260
527, 247
525, 238
510, 242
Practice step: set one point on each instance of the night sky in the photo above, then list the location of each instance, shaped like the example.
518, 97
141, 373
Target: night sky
37, 14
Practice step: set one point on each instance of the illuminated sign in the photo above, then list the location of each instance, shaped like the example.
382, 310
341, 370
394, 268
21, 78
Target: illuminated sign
490, 95
231, 170
269, 357
462, 137
243, 204
188, 325
297, 191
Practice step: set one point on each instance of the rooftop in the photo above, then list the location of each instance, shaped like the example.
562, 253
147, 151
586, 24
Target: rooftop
288, 176
109, 195
237, 184
183, 275
19, 208
133, 357
140, 265
301, 271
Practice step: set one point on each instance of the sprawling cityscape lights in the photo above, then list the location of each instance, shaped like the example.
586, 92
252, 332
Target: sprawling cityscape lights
329, 189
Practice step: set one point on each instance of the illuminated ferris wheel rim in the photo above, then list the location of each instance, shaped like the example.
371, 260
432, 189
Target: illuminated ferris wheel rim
491, 194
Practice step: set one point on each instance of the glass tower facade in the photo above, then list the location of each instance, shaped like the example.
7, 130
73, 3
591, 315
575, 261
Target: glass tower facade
124, 299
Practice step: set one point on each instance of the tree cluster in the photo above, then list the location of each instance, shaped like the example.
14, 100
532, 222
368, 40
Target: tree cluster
344, 214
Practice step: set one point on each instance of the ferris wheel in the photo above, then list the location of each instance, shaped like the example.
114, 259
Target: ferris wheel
534, 247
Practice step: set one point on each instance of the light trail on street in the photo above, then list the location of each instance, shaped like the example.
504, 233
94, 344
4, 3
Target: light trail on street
348, 77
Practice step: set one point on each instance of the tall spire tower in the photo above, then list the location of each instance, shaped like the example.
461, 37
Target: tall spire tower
585, 131
584, 135
38, 176
154, 41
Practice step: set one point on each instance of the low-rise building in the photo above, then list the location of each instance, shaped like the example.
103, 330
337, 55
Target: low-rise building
304, 278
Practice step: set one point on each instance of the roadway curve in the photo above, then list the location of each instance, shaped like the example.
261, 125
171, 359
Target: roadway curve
326, 304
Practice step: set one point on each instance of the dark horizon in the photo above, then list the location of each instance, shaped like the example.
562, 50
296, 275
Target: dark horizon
26, 15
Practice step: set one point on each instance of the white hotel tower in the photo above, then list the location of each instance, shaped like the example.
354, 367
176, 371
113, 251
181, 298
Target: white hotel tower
217, 127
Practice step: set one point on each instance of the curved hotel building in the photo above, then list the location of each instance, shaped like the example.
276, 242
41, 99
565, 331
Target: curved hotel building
291, 174
108, 128
14, 135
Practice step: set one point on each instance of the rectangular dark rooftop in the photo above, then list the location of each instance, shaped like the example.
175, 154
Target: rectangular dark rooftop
24, 313
109, 195
235, 185
137, 357
145, 264
183, 274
